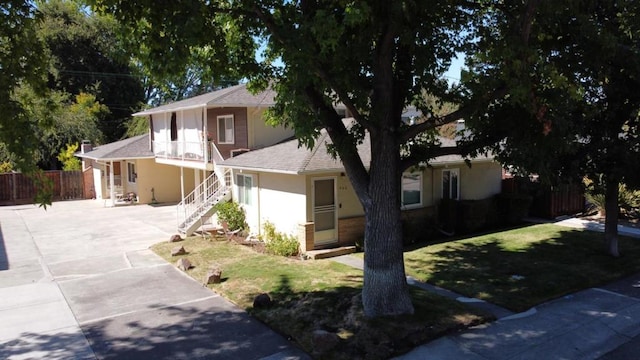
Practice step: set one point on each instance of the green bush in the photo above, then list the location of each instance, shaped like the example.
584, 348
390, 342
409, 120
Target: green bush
278, 243
628, 200
232, 214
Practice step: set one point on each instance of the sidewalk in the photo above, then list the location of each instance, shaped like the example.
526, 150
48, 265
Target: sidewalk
597, 323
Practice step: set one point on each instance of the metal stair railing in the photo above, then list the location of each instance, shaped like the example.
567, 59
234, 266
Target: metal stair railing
197, 203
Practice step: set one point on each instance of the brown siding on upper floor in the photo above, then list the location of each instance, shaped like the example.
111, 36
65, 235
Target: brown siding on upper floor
240, 131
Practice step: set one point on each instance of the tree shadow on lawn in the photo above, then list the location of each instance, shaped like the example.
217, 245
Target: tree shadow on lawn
339, 310
519, 276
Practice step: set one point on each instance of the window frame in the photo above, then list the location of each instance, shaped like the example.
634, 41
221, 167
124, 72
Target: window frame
245, 195
420, 180
233, 130
132, 175
457, 188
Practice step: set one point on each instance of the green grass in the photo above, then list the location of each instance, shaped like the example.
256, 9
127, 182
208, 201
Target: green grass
322, 294
552, 260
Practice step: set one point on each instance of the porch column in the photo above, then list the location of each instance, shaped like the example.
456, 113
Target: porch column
112, 184
196, 181
182, 182
205, 130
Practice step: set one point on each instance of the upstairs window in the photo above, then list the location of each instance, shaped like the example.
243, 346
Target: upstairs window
411, 189
451, 184
225, 129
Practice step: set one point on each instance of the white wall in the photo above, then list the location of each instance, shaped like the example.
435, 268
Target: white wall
262, 135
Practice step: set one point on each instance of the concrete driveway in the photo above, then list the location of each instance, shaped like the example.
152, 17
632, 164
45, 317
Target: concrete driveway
78, 282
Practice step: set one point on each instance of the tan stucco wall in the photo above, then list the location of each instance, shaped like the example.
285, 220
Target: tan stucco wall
480, 181
164, 179
261, 134
278, 198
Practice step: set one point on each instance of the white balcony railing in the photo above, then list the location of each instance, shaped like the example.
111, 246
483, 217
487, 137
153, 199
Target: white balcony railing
188, 151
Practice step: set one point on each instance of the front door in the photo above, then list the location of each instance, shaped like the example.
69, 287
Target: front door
324, 211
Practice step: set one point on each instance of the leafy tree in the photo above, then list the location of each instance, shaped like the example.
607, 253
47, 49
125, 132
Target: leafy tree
71, 122
577, 110
68, 159
376, 57
88, 56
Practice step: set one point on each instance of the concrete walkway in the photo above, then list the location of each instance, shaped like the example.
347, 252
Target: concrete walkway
78, 282
598, 323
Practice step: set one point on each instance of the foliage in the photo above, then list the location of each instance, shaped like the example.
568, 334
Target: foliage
68, 160
6, 167
278, 243
87, 56
71, 121
23, 62
231, 213
628, 199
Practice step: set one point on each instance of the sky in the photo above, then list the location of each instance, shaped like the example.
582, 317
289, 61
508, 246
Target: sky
453, 74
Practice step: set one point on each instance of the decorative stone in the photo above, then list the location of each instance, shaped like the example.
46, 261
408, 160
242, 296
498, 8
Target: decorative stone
262, 301
179, 250
175, 238
183, 264
324, 341
214, 276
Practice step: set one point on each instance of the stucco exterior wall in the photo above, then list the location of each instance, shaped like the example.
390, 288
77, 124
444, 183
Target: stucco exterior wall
480, 181
278, 198
164, 179
261, 134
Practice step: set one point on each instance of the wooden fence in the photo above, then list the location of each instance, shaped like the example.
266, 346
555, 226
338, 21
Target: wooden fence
548, 202
17, 188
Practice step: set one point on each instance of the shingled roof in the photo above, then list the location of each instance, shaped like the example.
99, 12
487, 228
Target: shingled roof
233, 96
136, 147
288, 157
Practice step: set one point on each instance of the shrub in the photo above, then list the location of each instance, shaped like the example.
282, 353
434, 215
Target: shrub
232, 214
278, 243
628, 200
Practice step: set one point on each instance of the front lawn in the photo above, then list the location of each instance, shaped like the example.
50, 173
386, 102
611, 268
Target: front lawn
320, 295
520, 268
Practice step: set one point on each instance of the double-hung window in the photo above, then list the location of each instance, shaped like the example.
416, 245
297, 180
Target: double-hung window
412, 189
451, 184
245, 189
225, 129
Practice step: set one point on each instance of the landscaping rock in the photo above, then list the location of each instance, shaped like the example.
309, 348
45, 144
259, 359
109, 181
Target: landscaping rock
175, 238
183, 264
214, 276
179, 250
262, 301
324, 341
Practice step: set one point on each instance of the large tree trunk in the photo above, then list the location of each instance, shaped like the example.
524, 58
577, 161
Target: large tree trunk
385, 291
611, 209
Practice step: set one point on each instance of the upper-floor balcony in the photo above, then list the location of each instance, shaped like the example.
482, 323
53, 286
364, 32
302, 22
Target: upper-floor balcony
198, 154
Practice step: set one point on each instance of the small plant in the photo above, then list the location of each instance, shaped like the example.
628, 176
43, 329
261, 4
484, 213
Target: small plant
278, 243
232, 214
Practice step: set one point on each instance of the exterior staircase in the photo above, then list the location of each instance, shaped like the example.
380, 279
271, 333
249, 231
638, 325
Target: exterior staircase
200, 203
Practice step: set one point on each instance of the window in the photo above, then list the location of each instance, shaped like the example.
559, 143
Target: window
411, 189
451, 184
245, 187
225, 129
131, 172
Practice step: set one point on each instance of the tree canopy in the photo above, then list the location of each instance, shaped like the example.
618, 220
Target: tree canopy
578, 113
